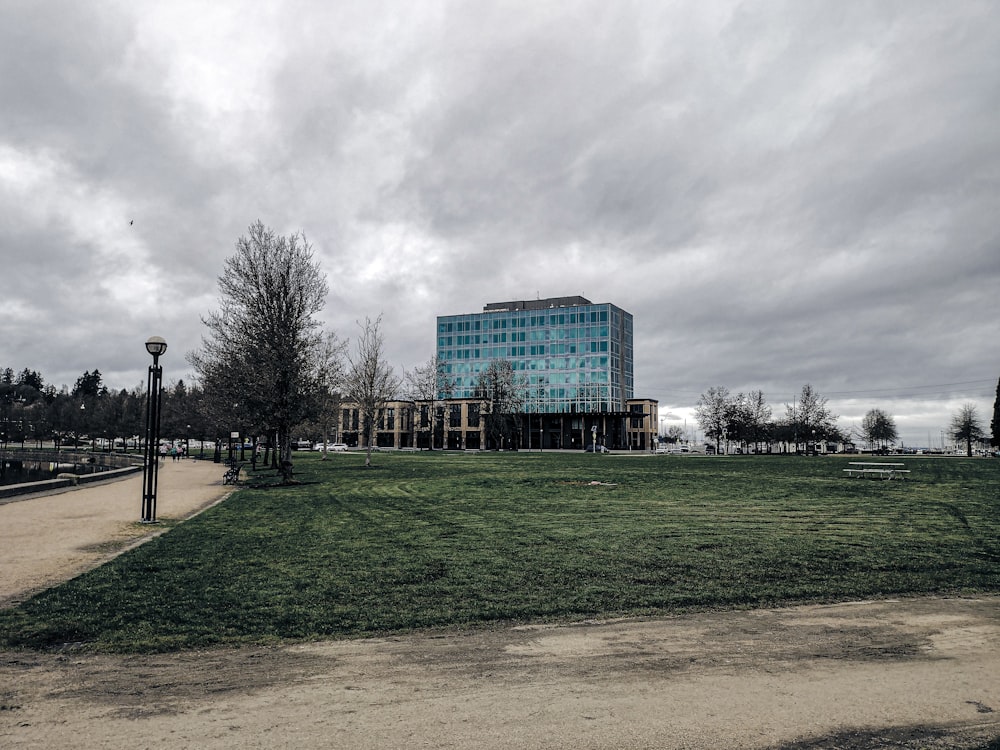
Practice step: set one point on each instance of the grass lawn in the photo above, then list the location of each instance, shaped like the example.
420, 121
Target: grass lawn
430, 539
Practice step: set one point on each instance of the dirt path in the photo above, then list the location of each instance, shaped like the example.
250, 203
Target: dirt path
916, 673
920, 673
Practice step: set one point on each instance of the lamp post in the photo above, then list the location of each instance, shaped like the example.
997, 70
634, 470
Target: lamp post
155, 346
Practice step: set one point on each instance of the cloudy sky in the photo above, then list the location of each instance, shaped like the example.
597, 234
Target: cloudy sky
781, 191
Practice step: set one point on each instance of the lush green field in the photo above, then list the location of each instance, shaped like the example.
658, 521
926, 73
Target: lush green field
423, 540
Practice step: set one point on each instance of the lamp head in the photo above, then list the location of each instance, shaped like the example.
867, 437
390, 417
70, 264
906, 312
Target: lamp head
156, 346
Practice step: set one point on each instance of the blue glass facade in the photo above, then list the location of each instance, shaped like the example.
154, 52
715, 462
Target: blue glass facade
574, 356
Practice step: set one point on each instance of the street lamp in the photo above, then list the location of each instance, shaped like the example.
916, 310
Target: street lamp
155, 346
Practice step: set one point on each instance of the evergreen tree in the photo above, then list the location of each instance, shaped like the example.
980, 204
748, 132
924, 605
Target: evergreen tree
995, 422
88, 385
31, 379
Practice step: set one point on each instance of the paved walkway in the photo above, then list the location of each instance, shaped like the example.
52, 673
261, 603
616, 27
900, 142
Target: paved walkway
47, 539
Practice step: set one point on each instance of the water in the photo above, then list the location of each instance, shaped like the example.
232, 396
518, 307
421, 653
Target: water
14, 471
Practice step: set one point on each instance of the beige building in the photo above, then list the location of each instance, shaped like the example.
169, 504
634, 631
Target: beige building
461, 424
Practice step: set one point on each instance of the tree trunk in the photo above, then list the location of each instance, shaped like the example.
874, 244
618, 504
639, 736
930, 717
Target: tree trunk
284, 450
369, 439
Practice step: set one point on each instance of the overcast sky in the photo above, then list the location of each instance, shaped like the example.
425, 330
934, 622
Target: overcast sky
780, 192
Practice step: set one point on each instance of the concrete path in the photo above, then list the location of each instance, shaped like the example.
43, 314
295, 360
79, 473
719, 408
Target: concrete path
47, 539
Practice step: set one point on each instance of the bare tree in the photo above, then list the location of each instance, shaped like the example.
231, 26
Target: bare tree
675, 434
737, 420
330, 382
260, 356
712, 412
502, 392
809, 417
878, 429
371, 381
759, 415
965, 427
748, 418
429, 383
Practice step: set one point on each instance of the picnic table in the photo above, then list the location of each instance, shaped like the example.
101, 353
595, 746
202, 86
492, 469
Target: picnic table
876, 470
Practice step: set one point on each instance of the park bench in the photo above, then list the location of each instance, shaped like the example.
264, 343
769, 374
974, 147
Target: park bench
232, 475
876, 470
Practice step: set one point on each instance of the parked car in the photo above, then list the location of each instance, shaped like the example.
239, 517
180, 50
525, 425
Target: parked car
330, 447
302, 445
591, 448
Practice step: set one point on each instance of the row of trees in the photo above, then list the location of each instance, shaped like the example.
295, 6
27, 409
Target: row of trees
90, 413
31, 411
746, 419
265, 368
267, 357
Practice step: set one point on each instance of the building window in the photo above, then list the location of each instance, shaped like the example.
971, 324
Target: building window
473, 415
455, 415
390, 418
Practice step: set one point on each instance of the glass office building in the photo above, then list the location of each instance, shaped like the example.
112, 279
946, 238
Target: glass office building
575, 356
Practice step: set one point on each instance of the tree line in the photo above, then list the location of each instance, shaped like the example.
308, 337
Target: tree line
267, 358
746, 420
267, 368
32, 411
